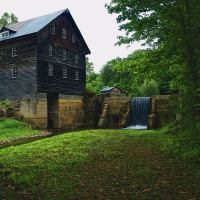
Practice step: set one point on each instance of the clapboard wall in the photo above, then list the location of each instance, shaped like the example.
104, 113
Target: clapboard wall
56, 83
25, 61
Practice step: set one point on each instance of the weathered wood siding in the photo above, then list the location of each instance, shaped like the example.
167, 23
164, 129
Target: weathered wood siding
56, 83
26, 61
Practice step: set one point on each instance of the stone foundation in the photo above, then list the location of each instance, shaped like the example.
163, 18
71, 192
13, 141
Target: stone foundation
62, 111
91, 111
33, 110
71, 110
163, 109
115, 112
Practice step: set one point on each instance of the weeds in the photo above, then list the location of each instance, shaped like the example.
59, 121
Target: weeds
12, 129
100, 164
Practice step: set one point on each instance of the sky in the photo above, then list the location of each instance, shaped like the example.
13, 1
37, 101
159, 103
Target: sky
99, 29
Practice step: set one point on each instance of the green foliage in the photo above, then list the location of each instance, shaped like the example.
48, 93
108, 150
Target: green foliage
8, 19
73, 165
12, 129
89, 66
149, 88
171, 29
4, 104
183, 144
94, 82
109, 74
130, 73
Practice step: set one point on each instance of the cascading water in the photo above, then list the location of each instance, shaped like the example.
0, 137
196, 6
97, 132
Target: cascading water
140, 109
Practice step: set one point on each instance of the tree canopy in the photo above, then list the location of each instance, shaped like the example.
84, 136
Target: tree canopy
89, 66
169, 27
8, 19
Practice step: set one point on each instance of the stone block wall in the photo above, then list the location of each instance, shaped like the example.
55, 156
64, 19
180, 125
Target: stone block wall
65, 111
115, 112
91, 109
33, 109
71, 111
163, 111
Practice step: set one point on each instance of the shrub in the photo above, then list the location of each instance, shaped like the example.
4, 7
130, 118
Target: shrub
149, 88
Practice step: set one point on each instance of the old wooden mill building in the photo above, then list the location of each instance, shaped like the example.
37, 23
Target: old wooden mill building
42, 69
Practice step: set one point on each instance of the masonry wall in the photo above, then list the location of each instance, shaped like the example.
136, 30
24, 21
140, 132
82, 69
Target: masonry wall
163, 111
66, 112
115, 112
75, 111
33, 109
71, 111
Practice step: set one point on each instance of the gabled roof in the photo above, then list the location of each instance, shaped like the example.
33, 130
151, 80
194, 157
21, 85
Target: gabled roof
107, 89
35, 25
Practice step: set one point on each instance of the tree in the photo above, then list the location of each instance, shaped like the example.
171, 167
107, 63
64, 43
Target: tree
94, 83
8, 19
93, 80
149, 88
172, 25
89, 66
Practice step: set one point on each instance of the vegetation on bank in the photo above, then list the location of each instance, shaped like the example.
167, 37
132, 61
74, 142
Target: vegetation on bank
99, 164
171, 63
12, 129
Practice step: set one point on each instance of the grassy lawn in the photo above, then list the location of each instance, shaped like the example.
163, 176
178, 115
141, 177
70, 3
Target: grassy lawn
97, 164
12, 129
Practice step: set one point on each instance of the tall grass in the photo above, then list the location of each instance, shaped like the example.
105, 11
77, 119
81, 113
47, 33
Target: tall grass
12, 129
183, 144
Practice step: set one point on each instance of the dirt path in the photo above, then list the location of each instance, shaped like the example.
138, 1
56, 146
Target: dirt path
137, 171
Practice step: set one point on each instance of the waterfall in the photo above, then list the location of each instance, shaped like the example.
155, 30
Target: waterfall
140, 109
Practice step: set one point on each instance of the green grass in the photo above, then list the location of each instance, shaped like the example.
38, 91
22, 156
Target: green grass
12, 129
97, 164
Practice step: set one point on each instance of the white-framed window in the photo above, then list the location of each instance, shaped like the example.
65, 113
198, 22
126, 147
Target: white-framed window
64, 33
53, 29
50, 50
76, 58
50, 69
14, 72
64, 72
4, 34
76, 75
0, 53
73, 38
14, 50
64, 54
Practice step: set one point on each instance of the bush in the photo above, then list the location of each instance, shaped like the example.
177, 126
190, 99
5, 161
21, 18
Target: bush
149, 88
4, 104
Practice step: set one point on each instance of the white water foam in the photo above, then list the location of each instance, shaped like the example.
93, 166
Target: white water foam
139, 127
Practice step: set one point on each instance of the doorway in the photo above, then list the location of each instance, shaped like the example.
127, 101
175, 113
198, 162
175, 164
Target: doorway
53, 110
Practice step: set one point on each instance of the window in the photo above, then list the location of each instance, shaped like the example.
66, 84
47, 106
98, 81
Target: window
4, 34
64, 54
76, 58
64, 72
14, 72
73, 38
50, 69
50, 50
0, 53
76, 75
64, 34
14, 50
53, 29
